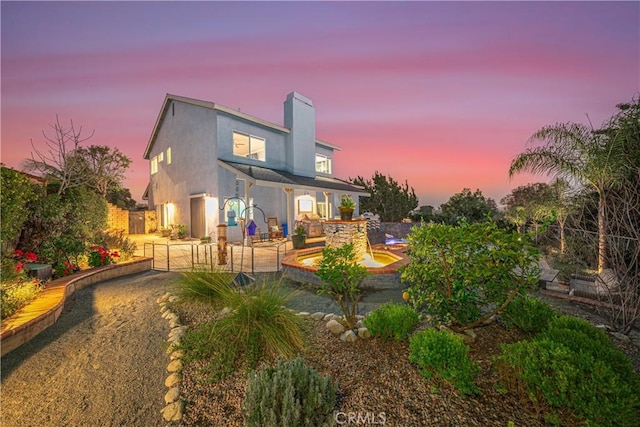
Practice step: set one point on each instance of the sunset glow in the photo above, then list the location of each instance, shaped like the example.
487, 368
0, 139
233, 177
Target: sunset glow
441, 94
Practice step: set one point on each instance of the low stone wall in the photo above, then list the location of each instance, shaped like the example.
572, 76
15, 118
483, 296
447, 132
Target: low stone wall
45, 310
399, 230
379, 281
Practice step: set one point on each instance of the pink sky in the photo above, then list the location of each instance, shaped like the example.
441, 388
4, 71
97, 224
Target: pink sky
442, 95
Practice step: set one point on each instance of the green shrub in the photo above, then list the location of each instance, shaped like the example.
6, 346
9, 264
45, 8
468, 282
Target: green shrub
391, 321
529, 314
446, 356
289, 394
99, 255
581, 337
580, 325
14, 296
456, 272
118, 240
341, 276
17, 192
573, 365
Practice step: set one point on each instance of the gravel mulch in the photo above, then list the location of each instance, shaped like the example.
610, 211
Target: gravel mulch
376, 380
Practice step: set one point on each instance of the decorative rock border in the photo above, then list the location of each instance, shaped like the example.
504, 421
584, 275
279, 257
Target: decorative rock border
336, 327
174, 407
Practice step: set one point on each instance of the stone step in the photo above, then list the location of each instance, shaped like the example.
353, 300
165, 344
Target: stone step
556, 287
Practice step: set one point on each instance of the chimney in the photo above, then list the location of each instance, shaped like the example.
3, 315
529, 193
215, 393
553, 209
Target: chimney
300, 118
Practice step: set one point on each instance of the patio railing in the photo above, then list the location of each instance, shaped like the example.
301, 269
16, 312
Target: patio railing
187, 256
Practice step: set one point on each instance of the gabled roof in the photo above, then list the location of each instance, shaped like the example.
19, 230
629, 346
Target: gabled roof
277, 178
213, 106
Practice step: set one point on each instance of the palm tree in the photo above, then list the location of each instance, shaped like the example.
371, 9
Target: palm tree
579, 154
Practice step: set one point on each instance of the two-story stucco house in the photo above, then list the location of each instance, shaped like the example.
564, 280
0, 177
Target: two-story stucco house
212, 165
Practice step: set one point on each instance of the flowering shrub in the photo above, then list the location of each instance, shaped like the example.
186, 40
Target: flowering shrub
16, 288
65, 269
99, 255
22, 258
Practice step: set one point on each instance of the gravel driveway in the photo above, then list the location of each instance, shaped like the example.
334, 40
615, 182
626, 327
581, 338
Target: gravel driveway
102, 364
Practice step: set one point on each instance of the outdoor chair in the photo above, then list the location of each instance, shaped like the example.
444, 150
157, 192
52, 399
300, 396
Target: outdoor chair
275, 231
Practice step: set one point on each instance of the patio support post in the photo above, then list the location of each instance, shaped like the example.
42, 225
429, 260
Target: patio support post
289, 192
327, 204
247, 198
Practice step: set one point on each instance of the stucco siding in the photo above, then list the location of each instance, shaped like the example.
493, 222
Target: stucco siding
190, 132
274, 141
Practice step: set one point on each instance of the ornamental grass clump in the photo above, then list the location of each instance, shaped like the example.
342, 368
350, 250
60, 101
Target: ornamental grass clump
253, 325
391, 321
444, 355
573, 367
289, 394
209, 287
261, 324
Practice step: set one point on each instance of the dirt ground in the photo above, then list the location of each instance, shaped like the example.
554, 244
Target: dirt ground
102, 364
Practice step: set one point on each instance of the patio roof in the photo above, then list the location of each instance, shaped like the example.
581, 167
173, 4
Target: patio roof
266, 177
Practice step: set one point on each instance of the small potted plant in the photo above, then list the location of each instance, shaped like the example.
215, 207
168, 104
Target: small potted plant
299, 237
346, 208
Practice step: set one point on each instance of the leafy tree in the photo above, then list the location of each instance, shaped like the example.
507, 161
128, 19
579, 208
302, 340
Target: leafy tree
455, 272
60, 225
576, 153
539, 202
556, 206
390, 200
17, 192
59, 160
106, 167
121, 197
426, 213
341, 276
469, 207
522, 203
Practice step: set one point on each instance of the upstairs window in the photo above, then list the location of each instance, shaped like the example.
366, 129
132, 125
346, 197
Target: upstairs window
169, 155
249, 146
323, 164
154, 165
